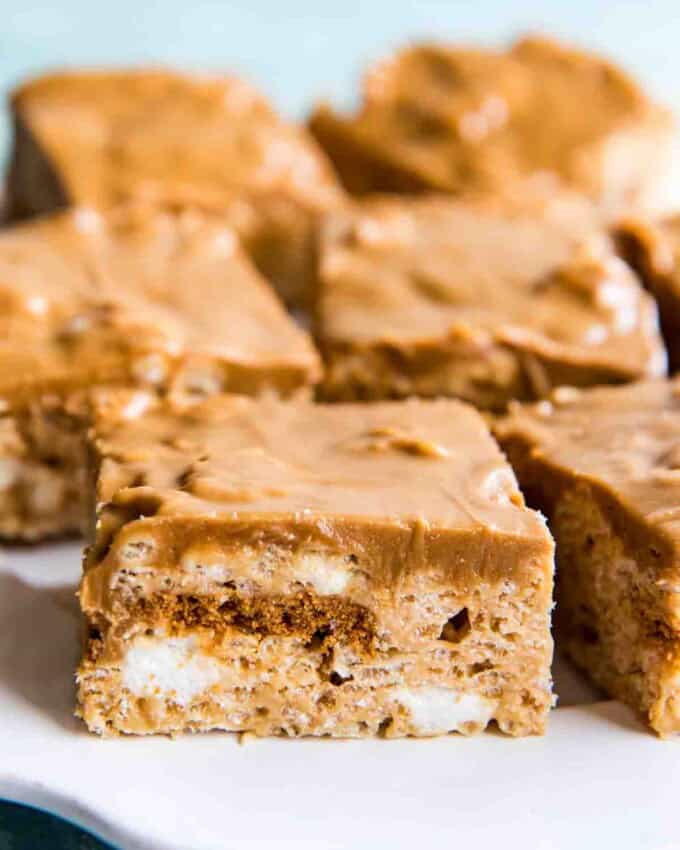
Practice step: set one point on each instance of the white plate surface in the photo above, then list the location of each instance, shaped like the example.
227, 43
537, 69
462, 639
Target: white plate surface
597, 779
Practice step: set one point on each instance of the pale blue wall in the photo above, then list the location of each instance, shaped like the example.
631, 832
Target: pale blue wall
298, 49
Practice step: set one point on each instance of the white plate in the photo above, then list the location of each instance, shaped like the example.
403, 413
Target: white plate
597, 779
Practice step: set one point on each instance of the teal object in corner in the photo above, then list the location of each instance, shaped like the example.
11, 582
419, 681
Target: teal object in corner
26, 828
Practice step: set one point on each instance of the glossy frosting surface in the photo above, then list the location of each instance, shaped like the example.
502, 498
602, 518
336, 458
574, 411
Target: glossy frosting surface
624, 439
447, 118
533, 270
84, 294
160, 134
232, 458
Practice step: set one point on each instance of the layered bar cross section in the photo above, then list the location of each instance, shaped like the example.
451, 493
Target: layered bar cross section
604, 466
297, 569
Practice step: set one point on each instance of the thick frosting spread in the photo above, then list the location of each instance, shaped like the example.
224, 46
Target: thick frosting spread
623, 440
453, 119
533, 272
237, 462
139, 294
109, 135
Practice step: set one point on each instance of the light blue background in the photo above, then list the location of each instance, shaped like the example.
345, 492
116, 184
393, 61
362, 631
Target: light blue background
300, 49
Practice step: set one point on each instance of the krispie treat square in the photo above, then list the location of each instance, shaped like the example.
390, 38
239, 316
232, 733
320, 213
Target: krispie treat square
486, 300
604, 466
298, 569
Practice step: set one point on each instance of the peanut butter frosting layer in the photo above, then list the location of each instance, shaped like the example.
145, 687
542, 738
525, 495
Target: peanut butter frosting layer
624, 441
234, 455
110, 135
532, 272
143, 295
435, 116
404, 484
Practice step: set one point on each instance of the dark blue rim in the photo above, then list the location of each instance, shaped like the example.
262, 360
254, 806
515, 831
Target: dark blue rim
102, 843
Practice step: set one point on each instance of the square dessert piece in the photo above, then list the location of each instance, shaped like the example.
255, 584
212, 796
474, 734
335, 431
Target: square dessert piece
100, 137
138, 296
487, 300
653, 249
452, 119
604, 465
299, 569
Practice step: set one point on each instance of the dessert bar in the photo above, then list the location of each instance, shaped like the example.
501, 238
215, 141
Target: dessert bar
292, 569
452, 119
487, 300
604, 466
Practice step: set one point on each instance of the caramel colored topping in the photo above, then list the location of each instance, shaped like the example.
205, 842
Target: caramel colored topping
162, 135
532, 272
153, 297
624, 440
295, 463
454, 119
394, 439
103, 138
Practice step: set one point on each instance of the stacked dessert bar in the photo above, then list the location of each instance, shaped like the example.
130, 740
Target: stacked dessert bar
293, 543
